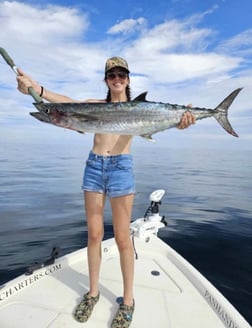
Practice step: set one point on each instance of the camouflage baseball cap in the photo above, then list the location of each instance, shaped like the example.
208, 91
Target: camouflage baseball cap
116, 62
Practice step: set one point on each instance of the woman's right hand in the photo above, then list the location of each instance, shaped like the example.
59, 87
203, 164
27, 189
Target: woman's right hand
25, 81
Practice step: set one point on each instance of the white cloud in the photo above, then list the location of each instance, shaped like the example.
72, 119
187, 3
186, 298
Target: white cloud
170, 52
240, 44
44, 40
176, 51
168, 37
40, 25
127, 26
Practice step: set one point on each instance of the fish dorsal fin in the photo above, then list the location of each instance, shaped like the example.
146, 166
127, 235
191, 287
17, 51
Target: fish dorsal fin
141, 97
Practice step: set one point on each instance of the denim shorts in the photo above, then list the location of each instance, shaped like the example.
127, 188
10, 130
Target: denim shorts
111, 175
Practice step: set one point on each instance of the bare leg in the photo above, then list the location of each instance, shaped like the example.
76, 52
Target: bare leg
121, 210
94, 205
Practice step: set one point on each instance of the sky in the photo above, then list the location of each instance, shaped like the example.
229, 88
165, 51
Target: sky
180, 51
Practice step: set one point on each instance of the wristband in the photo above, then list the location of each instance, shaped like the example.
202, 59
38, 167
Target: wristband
42, 91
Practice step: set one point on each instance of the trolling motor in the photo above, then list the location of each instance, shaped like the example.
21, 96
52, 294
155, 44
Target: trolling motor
152, 221
155, 198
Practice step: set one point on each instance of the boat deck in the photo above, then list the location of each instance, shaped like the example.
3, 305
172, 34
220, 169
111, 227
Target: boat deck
169, 292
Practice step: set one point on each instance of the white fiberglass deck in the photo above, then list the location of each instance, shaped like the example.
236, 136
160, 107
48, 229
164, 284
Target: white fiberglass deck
164, 299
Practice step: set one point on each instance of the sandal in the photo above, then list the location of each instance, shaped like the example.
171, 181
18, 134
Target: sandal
123, 317
85, 308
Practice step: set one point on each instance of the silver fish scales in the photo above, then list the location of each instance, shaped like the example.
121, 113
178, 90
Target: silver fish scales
137, 117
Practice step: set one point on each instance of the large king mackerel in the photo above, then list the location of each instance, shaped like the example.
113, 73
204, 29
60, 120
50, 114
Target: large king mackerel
138, 117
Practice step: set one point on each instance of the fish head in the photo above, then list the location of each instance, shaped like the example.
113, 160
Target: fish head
51, 114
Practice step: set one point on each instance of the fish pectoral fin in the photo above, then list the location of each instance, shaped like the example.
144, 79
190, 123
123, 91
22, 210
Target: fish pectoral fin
141, 97
148, 137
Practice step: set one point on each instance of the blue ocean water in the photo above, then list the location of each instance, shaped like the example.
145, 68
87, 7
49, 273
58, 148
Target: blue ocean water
207, 205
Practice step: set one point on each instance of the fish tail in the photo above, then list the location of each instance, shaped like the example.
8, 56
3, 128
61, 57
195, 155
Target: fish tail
221, 114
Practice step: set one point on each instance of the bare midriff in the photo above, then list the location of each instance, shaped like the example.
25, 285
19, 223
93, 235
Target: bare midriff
111, 144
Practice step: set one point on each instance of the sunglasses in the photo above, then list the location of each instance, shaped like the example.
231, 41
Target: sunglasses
121, 75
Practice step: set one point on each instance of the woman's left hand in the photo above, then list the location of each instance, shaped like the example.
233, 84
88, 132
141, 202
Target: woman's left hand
187, 119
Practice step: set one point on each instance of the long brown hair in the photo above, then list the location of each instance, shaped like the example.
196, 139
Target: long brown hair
128, 94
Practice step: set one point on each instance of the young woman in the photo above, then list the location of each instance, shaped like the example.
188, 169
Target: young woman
108, 172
